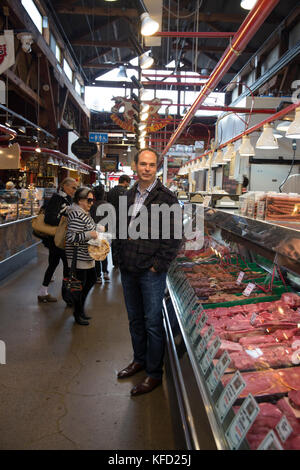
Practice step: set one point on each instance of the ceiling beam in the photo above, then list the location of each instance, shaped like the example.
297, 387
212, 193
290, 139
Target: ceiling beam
96, 11
110, 44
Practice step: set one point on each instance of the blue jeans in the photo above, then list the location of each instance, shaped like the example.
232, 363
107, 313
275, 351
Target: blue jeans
143, 295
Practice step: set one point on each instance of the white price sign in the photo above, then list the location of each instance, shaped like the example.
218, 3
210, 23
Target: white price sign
284, 428
242, 422
218, 372
200, 324
210, 354
249, 289
229, 395
202, 345
270, 442
240, 277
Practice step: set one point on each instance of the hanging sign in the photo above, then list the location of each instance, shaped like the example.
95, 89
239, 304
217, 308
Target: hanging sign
84, 149
7, 50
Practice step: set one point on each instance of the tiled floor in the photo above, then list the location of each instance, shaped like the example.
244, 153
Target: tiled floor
58, 388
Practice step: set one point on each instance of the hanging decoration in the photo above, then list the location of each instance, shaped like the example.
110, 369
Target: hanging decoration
7, 50
129, 119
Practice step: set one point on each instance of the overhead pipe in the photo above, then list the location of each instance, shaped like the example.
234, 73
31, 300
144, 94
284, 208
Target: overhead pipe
162, 82
248, 28
171, 75
194, 34
9, 133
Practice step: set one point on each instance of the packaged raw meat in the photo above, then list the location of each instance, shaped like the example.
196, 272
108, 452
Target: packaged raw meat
294, 399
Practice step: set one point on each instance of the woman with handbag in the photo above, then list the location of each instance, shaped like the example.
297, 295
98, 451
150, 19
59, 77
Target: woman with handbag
54, 210
81, 229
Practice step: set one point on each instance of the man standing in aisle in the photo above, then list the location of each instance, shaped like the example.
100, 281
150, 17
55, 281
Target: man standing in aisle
144, 262
113, 198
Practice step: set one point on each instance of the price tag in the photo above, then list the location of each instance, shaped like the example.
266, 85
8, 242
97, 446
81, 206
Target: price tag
249, 289
200, 325
242, 422
210, 354
218, 372
270, 442
240, 277
203, 343
206, 201
260, 212
253, 317
229, 395
284, 428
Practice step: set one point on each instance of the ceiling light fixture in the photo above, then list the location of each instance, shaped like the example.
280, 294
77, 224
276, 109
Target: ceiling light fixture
229, 153
246, 149
267, 141
293, 131
148, 25
248, 4
146, 61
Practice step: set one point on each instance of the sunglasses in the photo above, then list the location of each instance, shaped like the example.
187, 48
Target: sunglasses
90, 200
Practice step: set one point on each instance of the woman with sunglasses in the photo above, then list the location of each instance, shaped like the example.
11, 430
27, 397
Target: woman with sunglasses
81, 228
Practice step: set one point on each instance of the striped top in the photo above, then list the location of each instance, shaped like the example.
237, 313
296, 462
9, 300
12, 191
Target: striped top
80, 226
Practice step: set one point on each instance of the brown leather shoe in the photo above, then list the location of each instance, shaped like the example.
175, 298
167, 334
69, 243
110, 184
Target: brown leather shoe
147, 385
130, 370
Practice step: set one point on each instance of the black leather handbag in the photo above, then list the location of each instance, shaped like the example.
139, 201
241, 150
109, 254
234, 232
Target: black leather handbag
71, 286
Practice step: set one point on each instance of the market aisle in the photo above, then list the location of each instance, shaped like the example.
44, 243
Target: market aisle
58, 388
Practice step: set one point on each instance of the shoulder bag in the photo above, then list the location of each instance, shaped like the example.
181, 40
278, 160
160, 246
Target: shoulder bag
60, 234
71, 286
40, 228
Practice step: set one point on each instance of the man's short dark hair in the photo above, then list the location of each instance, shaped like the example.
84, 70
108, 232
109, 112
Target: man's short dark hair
148, 149
124, 179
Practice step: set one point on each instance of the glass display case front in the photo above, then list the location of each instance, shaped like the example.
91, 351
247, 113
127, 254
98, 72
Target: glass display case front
19, 204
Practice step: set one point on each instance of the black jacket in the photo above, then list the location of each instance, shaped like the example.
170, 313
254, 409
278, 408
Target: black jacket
141, 254
56, 207
114, 194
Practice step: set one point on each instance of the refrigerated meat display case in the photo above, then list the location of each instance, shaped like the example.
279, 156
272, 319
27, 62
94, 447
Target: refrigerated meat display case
232, 323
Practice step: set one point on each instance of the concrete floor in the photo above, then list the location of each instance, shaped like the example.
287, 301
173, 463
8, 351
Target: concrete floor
58, 388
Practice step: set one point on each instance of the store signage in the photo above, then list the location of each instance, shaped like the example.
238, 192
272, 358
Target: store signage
7, 50
229, 395
84, 149
242, 422
98, 137
270, 442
